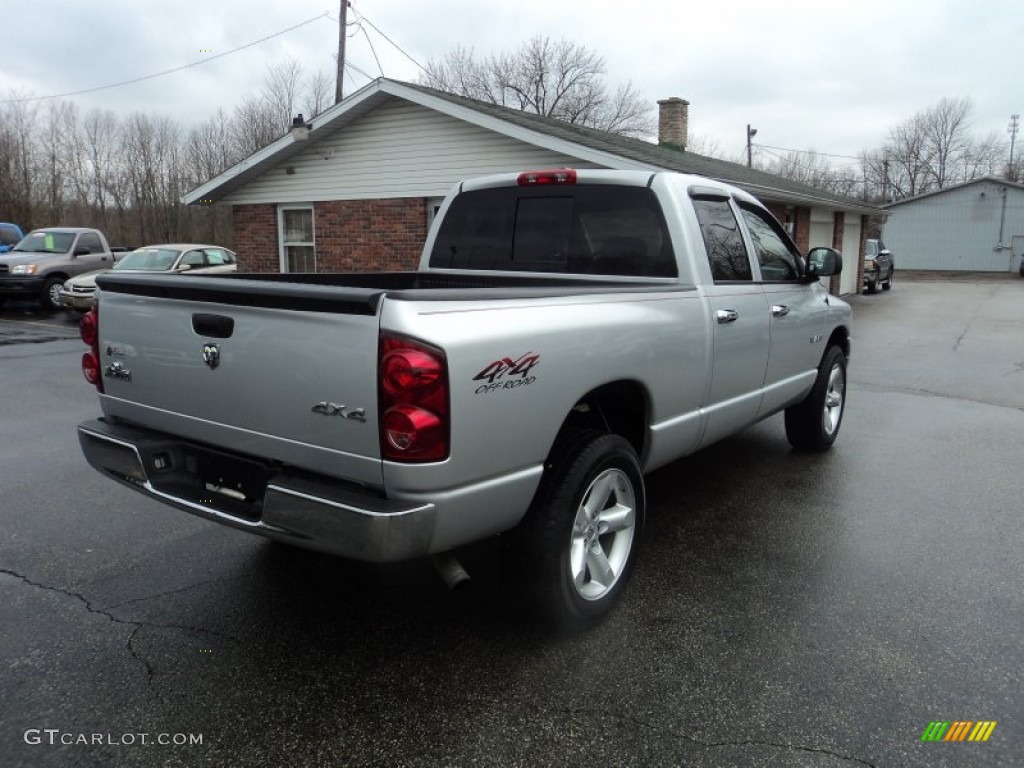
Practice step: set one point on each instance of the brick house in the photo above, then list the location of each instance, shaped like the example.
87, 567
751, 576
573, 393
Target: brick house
357, 187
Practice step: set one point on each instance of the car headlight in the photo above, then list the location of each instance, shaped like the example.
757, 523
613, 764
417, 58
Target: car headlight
24, 269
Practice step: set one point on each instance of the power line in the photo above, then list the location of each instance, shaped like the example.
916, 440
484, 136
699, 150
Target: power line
166, 71
362, 17
789, 162
372, 49
806, 151
353, 68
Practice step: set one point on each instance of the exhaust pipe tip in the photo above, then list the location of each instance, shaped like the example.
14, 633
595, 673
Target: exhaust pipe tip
450, 570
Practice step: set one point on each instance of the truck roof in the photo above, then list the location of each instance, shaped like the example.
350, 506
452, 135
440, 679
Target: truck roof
606, 176
70, 230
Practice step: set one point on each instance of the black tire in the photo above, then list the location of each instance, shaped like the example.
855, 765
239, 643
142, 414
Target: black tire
813, 424
888, 283
872, 286
48, 297
559, 539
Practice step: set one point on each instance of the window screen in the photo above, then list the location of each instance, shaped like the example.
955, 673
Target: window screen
723, 241
584, 229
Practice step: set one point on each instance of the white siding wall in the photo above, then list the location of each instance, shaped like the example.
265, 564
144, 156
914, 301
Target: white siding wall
956, 230
397, 150
851, 254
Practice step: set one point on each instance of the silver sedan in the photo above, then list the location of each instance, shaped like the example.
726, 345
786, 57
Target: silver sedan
80, 292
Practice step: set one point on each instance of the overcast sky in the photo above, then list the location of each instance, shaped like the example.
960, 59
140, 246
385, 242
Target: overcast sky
828, 75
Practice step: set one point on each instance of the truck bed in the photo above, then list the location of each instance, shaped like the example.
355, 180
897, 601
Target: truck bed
361, 293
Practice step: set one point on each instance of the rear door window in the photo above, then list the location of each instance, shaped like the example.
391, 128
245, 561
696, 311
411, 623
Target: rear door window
581, 229
91, 241
723, 241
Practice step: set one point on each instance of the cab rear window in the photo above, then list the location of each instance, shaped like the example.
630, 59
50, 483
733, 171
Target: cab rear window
584, 229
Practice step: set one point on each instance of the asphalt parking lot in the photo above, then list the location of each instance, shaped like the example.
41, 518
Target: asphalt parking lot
788, 610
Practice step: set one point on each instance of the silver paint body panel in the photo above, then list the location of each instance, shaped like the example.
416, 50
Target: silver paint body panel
702, 379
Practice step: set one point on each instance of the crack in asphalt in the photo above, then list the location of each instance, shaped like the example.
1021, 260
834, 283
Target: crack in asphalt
719, 744
972, 318
138, 625
144, 598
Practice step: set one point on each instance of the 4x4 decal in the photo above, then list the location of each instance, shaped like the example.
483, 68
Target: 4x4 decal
503, 373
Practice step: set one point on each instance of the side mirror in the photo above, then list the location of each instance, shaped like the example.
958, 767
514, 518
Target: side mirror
82, 251
183, 268
885, 252
823, 262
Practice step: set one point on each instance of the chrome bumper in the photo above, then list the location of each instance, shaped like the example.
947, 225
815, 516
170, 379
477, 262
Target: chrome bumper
240, 492
79, 301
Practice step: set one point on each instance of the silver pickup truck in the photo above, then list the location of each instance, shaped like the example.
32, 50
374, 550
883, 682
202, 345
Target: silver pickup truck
567, 333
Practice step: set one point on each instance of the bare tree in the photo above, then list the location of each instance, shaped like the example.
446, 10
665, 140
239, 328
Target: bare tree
281, 91
815, 170
253, 126
702, 144
319, 93
100, 134
931, 150
20, 166
559, 79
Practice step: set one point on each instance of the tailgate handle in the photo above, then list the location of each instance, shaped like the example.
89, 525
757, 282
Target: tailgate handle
217, 326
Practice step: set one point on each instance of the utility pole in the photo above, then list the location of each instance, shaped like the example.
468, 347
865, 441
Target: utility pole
751, 133
885, 180
342, 22
1011, 173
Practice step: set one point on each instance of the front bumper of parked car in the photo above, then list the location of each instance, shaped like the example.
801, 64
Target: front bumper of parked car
11, 285
79, 299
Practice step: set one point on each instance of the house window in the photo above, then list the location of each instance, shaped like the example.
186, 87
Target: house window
298, 246
433, 207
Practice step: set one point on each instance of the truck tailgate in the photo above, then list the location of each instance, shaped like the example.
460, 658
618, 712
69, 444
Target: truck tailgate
289, 379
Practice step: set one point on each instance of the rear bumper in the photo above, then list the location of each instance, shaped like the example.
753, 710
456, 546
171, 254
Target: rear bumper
240, 492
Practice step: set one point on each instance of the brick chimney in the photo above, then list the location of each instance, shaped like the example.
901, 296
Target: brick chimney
673, 122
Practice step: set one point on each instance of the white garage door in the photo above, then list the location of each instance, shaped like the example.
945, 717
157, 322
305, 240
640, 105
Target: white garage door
821, 228
851, 254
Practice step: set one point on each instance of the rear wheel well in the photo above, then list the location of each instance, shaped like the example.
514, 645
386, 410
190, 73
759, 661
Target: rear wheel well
619, 408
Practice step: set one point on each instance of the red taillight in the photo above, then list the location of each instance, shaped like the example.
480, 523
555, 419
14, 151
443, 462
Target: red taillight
413, 396
88, 328
90, 332
406, 426
554, 176
91, 368
405, 371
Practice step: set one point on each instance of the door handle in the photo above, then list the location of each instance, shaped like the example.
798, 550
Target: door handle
727, 316
217, 326
780, 310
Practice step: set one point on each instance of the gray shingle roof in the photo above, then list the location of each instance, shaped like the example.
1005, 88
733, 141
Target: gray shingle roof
642, 151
